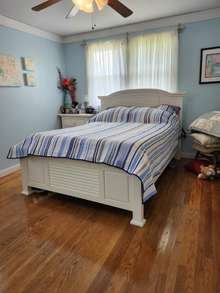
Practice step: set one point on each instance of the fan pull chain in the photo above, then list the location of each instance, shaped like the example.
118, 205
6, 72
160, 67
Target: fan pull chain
93, 27
93, 24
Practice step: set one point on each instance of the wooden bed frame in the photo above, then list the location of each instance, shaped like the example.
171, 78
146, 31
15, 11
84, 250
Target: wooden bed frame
97, 182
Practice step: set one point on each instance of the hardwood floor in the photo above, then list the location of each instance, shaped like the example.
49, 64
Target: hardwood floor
51, 243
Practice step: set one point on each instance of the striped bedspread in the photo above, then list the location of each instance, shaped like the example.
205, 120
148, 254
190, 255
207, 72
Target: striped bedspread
143, 150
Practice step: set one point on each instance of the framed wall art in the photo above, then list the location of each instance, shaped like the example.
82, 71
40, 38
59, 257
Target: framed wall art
28, 64
30, 79
10, 72
210, 65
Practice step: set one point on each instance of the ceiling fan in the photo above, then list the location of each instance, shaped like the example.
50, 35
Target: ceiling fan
88, 6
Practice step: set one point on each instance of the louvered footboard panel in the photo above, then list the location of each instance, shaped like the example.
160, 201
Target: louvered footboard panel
68, 176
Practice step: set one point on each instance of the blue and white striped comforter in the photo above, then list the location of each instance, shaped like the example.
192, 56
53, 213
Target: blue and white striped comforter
139, 149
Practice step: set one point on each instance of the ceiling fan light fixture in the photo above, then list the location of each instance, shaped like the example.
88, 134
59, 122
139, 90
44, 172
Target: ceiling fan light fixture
101, 3
88, 6
84, 5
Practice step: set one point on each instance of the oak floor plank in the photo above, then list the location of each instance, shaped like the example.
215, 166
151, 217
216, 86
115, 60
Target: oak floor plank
52, 243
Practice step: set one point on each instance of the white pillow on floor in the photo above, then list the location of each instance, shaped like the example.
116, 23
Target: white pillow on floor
206, 140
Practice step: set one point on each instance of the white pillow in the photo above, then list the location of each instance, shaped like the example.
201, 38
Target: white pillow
206, 140
208, 123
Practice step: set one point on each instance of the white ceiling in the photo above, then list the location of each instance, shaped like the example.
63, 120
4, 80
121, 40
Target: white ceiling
53, 19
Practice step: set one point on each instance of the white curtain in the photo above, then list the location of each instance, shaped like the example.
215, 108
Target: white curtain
106, 68
153, 61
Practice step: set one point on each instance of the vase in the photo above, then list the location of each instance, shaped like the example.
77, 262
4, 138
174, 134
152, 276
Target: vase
67, 101
73, 98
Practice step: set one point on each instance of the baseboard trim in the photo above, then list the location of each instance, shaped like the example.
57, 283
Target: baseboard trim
9, 170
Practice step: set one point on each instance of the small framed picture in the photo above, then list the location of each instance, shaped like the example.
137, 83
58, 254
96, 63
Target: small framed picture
30, 79
28, 64
210, 65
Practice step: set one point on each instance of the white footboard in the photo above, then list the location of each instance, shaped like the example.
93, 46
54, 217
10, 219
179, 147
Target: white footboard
90, 181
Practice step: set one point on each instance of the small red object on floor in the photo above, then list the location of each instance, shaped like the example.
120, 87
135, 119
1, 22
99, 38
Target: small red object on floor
194, 166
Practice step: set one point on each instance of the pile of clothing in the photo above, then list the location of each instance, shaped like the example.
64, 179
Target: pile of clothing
205, 132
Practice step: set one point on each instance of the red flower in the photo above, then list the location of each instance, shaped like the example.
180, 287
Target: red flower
65, 82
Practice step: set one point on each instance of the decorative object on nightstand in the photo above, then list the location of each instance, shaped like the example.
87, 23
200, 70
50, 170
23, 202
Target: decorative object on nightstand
90, 110
72, 120
68, 87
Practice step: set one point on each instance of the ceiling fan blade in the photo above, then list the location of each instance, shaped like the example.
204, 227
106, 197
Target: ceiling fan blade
120, 8
73, 11
45, 5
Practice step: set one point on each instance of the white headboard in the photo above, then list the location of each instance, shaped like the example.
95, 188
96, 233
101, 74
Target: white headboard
142, 98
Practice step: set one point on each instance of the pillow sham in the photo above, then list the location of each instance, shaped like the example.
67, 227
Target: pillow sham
149, 115
170, 108
117, 114
134, 114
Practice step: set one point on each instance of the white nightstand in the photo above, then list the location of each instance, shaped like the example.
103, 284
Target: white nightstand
72, 120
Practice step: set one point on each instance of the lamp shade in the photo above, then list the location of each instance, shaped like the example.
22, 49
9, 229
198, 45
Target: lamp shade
88, 5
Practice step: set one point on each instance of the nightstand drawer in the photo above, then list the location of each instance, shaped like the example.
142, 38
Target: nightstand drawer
72, 120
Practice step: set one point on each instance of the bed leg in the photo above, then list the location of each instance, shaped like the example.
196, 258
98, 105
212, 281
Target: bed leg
138, 215
26, 190
136, 202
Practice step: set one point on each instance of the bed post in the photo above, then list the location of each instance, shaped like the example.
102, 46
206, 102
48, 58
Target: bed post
26, 190
138, 215
137, 205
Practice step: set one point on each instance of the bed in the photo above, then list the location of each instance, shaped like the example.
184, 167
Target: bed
98, 180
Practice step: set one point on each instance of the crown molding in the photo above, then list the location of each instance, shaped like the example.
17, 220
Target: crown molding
17, 25
134, 27
142, 26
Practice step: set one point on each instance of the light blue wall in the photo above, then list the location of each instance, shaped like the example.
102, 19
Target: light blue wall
200, 98
75, 64
24, 110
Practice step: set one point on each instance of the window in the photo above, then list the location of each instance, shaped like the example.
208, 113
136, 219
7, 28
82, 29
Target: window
153, 60
106, 68
145, 61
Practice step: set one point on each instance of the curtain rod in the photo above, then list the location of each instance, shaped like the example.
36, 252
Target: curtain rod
180, 27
